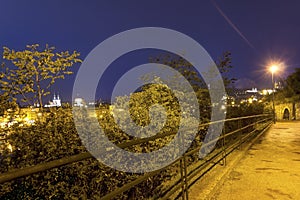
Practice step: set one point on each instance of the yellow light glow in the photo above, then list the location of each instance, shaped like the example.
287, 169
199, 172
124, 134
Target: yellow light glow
274, 68
9, 147
250, 100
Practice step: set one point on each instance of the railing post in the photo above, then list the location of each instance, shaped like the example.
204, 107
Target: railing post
240, 133
182, 179
274, 115
183, 173
223, 146
185, 177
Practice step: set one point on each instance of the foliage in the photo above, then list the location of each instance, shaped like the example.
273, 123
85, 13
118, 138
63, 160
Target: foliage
223, 63
34, 71
7, 104
52, 138
55, 137
143, 110
245, 109
292, 88
189, 72
224, 66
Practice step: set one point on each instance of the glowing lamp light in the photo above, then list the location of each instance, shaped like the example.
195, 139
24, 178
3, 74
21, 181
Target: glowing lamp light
250, 100
9, 147
273, 68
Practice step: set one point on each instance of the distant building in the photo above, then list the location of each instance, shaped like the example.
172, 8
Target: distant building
91, 103
266, 92
246, 95
56, 102
278, 85
79, 102
253, 90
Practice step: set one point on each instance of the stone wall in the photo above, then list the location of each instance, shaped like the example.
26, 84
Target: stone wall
292, 112
297, 106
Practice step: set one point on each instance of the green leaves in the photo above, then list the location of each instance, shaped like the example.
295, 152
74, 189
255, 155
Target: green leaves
53, 138
293, 83
291, 88
35, 71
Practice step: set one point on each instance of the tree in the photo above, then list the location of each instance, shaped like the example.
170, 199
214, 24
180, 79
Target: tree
189, 72
34, 71
293, 84
291, 88
224, 65
6, 104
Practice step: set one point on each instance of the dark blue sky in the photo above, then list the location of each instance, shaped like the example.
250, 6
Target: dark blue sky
272, 27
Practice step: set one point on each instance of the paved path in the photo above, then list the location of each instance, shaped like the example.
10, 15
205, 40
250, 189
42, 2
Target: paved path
269, 170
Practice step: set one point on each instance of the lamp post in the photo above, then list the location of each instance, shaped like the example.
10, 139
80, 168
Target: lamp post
273, 69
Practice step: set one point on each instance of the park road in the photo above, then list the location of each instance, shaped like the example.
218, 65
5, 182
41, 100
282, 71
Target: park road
269, 170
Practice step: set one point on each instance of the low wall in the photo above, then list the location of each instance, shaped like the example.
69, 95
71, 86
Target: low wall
287, 111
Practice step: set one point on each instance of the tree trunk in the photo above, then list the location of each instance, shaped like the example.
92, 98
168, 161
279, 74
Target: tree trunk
40, 100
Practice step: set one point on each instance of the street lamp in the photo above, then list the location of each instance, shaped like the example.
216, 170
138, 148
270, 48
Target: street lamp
273, 69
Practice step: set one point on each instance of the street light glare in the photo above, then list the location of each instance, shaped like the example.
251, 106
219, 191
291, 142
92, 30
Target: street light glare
273, 68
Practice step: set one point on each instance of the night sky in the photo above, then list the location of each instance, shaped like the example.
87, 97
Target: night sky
254, 31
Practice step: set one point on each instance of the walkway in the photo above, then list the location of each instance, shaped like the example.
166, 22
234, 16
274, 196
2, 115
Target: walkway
269, 170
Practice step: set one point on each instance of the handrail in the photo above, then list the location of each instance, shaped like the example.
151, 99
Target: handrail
17, 173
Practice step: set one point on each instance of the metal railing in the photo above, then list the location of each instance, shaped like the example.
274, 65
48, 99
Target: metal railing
240, 130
